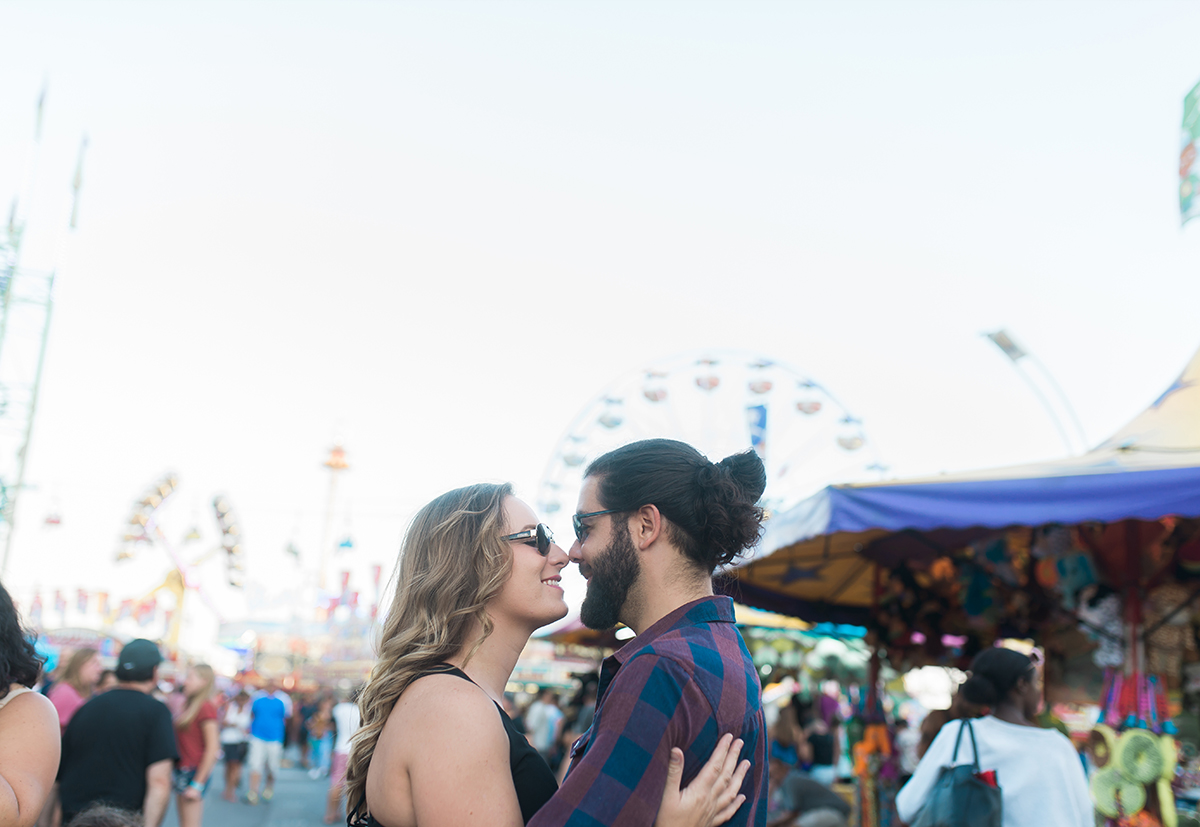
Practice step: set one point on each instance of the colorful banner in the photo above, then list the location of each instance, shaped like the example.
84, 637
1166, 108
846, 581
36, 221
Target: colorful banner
102, 604
81, 601
60, 602
35, 610
126, 610
1189, 173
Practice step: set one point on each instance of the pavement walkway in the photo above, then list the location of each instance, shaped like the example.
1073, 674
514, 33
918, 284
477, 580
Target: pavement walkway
299, 802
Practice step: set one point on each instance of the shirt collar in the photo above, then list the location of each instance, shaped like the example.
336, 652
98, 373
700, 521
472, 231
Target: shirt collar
713, 609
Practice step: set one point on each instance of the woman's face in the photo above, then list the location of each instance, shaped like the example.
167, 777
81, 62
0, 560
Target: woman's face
193, 683
89, 673
533, 595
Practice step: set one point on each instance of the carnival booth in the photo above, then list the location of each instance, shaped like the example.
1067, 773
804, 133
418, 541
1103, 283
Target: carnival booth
1097, 557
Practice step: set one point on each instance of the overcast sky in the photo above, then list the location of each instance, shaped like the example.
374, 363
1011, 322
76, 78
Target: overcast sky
438, 230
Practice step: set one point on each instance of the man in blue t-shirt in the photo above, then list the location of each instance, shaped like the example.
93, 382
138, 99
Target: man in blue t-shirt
268, 723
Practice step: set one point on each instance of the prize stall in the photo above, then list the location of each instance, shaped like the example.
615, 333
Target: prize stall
1097, 557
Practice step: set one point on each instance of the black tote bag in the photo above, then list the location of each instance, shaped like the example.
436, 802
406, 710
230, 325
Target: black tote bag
958, 798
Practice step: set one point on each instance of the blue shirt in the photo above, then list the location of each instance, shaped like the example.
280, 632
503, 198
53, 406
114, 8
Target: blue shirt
267, 718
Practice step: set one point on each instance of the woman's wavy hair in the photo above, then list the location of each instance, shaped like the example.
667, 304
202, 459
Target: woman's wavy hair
75, 665
710, 507
195, 701
19, 661
452, 564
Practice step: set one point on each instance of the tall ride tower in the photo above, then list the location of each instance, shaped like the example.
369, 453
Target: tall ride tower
26, 302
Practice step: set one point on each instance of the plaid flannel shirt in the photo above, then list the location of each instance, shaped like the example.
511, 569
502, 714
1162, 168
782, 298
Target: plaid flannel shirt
684, 682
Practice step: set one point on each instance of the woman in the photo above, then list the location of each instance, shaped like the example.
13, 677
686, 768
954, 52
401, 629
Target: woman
477, 575
77, 684
30, 740
198, 742
71, 691
108, 680
320, 738
1038, 770
235, 741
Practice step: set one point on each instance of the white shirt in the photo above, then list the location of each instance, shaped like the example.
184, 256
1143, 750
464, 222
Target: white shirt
346, 716
1041, 778
236, 727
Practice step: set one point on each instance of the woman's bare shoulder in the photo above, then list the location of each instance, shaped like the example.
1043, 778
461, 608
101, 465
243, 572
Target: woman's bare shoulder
32, 706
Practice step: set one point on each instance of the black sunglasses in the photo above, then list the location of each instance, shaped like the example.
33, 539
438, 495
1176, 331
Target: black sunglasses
541, 537
581, 530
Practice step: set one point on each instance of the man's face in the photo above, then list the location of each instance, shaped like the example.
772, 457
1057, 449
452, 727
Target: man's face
607, 558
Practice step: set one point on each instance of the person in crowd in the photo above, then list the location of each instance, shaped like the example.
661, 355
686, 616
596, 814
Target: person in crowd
308, 708
799, 801
199, 744
346, 720
73, 688
959, 709
269, 714
1039, 773
320, 736
820, 748
102, 815
120, 746
907, 739
547, 727
477, 574
235, 740
76, 685
655, 518
107, 681
29, 732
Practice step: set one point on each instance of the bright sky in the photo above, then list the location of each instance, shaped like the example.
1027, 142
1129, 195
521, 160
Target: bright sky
438, 230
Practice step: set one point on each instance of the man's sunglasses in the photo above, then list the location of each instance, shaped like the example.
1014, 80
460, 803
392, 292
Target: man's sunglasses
540, 537
581, 530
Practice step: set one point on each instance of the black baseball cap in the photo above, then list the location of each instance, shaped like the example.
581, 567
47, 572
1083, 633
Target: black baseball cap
137, 660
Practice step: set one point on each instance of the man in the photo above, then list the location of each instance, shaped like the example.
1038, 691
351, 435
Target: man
654, 519
268, 725
799, 801
119, 747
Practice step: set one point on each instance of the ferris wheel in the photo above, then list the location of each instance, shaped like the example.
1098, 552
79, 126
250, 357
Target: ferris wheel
721, 402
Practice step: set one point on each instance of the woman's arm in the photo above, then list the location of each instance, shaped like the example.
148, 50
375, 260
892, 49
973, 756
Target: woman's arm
30, 743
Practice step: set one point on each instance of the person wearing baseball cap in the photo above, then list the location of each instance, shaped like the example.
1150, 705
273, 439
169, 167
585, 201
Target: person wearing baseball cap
119, 748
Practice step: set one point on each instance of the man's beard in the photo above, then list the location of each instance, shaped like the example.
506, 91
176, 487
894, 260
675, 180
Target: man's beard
613, 573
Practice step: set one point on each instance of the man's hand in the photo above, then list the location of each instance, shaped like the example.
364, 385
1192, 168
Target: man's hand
713, 797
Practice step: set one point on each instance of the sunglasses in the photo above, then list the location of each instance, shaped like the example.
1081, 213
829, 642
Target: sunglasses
540, 537
581, 530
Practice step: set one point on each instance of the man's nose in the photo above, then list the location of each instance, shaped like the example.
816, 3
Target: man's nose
575, 553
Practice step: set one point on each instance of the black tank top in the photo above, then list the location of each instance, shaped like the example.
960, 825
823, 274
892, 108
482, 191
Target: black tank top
531, 774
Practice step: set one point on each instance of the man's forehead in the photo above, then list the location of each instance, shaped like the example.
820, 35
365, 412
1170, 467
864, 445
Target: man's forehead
588, 496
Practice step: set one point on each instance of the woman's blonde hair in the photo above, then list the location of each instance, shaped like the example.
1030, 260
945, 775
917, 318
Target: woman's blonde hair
197, 699
452, 563
75, 665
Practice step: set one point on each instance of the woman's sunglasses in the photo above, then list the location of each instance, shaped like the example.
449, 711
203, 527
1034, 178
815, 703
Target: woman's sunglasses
540, 537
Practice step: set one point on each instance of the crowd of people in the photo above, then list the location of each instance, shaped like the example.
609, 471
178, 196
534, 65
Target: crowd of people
433, 738
125, 741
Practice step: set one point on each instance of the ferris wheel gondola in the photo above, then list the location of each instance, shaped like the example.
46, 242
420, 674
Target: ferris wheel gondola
722, 402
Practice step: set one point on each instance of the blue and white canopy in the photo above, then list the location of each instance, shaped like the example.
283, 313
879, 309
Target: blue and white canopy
811, 563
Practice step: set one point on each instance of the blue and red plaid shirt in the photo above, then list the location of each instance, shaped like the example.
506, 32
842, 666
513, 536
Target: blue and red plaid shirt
684, 682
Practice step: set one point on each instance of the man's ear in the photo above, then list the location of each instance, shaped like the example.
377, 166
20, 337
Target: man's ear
648, 527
